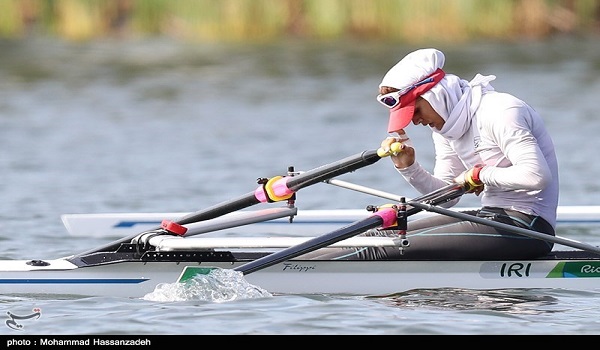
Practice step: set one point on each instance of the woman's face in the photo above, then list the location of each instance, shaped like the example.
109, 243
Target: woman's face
426, 115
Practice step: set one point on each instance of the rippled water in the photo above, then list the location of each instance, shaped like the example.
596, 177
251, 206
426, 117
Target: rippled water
444, 311
170, 127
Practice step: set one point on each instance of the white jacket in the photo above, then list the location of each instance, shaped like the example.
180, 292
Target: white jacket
510, 139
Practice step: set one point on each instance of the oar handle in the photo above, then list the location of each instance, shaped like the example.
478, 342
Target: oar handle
394, 150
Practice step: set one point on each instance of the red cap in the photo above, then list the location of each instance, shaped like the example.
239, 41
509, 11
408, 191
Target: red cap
402, 114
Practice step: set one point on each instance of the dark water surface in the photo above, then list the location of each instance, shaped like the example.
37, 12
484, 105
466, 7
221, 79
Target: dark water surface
161, 126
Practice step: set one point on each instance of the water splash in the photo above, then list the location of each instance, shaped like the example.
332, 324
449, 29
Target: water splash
220, 285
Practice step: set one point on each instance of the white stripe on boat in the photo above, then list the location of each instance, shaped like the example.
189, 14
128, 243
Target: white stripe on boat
305, 222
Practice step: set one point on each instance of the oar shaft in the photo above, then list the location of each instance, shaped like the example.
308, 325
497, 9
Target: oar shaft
507, 227
331, 170
293, 183
311, 245
428, 207
380, 218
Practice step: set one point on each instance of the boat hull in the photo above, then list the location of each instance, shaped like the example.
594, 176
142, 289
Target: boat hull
135, 279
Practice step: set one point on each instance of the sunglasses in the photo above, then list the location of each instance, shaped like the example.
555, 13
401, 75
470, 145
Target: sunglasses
392, 99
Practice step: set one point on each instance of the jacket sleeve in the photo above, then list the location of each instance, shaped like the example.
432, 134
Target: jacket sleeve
523, 166
447, 164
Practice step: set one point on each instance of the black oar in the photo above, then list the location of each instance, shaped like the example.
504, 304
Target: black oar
286, 185
428, 207
282, 187
385, 217
507, 227
380, 218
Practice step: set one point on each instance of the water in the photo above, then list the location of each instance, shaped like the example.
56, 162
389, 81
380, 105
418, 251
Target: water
160, 126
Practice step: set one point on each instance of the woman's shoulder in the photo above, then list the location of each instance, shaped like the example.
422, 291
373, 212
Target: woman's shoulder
499, 106
495, 100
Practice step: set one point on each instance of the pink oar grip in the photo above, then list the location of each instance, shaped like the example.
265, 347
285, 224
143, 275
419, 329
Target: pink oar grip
389, 216
279, 189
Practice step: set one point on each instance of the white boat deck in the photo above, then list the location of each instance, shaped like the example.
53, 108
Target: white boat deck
170, 243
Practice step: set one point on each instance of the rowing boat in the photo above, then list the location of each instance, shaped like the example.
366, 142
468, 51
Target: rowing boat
137, 268
134, 278
181, 252
306, 222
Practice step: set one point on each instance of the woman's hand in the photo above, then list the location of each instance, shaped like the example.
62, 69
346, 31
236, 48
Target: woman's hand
400, 150
470, 181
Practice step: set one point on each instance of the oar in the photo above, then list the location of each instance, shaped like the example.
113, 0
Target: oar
429, 207
279, 188
384, 217
507, 227
285, 186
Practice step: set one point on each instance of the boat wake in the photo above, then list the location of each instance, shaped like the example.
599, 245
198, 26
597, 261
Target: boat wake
220, 285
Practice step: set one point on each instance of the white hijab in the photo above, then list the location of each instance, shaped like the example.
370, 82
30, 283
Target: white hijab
456, 101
